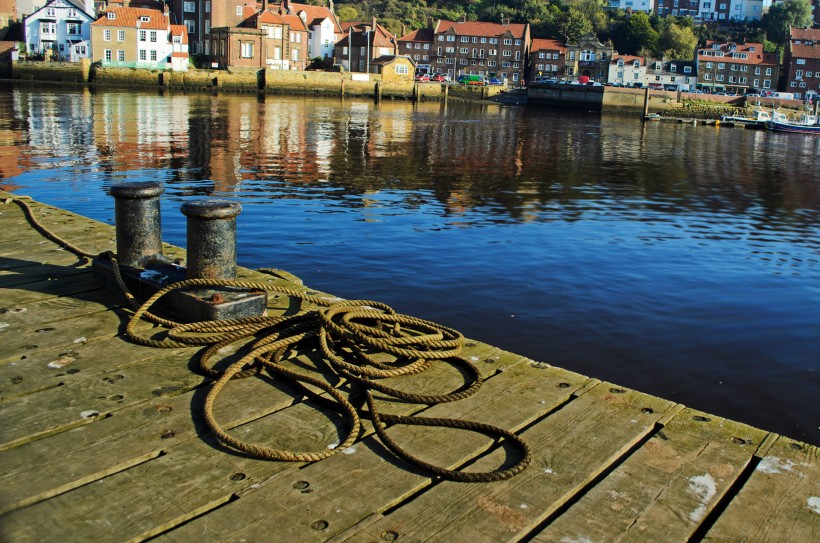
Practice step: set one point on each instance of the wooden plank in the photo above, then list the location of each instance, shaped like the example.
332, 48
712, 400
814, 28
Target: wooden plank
33, 273
133, 435
664, 490
188, 480
23, 293
375, 478
779, 502
59, 409
570, 449
43, 370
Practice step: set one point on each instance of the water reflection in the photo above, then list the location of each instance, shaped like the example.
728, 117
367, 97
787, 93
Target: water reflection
680, 260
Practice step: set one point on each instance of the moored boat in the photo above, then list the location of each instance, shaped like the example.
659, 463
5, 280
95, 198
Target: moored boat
806, 124
758, 119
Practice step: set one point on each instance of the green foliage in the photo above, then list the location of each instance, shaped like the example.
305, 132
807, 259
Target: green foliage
781, 17
572, 25
346, 12
675, 42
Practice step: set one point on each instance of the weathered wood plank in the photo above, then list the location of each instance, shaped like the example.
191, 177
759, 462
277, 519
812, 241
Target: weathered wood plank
59, 409
35, 273
197, 467
132, 435
779, 502
24, 293
665, 489
570, 449
44, 370
374, 477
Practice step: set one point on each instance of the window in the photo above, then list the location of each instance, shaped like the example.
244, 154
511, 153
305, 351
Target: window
757, 71
793, 84
401, 69
144, 19
555, 56
672, 68
541, 55
475, 39
426, 46
742, 80
518, 42
465, 39
153, 36
208, 6
120, 55
767, 84
744, 68
721, 66
809, 74
800, 61
50, 12
154, 55
707, 77
106, 35
207, 26
75, 28
111, 15
449, 60
506, 53
719, 77
120, 35
190, 24
492, 52
483, 40
508, 41
799, 73
505, 64
493, 40
451, 38
239, 10
734, 67
756, 83
143, 56
768, 71
246, 49
142, 35
491, 63
108, 55
189, 7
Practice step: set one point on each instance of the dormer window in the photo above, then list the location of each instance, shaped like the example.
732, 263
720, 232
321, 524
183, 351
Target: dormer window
715, 46
111, 15
637, 64
620, 62
751, 49
657, 65
145, 19
673, 67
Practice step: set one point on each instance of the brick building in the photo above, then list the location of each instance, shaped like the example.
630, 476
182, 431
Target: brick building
481, 48
361, 44
590, 58
264, 39
547, 59
736, 68
417, 45
801, 63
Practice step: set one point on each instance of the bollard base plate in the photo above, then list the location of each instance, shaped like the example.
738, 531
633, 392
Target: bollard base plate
186, 305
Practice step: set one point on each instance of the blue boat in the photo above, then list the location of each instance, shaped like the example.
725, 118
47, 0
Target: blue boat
806, 124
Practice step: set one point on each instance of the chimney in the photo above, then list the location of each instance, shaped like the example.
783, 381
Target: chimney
374, 24
264, 6
286, 5
330, 6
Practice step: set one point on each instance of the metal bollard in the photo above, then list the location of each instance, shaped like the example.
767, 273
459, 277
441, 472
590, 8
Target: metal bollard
136, 211
211, 238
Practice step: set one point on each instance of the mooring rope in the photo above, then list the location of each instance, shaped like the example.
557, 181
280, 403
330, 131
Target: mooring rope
348, 334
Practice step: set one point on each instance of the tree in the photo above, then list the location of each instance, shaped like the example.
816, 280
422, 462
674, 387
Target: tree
639, 34
678, 43
781, 17
346, 12
572, 25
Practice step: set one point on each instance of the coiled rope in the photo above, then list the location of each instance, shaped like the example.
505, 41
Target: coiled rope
348, 334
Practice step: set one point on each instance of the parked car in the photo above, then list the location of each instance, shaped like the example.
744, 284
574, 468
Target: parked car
495, 81
424, 78
438, 78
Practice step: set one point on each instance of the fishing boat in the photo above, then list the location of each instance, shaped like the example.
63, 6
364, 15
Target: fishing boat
758, 119
806, 124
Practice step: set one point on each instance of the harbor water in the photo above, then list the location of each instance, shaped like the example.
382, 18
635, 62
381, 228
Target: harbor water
679, 260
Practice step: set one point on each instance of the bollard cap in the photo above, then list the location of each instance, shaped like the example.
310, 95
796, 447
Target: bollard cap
136, 190
211, 209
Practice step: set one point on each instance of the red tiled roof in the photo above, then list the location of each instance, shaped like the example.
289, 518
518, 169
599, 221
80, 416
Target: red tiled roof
180, 30
806, 51
812, 34
481, 28
295, 22
540, 44
129, 17
628, 59
422, 34
315, 14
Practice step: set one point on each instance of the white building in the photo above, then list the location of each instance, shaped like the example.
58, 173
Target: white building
61, 30
647, 6
323, 29
627, 71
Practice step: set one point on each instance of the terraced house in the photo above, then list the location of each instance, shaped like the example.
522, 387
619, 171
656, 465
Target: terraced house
547, 59
481, 48
128, 37
802, 62
736, 68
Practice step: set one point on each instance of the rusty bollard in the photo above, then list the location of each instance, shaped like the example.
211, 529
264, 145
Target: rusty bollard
136, 212
211, 238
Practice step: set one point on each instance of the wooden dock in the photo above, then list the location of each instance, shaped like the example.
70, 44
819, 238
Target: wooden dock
103, 440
